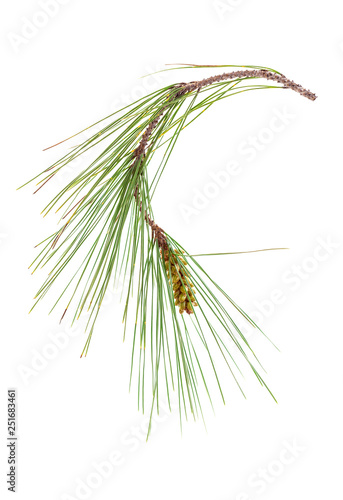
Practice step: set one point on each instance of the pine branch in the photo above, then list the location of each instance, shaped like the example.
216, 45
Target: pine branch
108, 230
262, 73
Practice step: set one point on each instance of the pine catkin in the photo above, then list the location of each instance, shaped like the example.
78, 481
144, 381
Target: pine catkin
183, 288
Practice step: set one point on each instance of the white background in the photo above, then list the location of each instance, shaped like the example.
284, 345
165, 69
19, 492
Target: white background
84, 61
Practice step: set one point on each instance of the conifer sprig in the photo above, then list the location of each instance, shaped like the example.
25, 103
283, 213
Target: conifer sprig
107, 226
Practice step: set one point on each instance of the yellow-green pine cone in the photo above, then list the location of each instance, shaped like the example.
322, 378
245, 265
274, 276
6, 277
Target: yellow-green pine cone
183, 288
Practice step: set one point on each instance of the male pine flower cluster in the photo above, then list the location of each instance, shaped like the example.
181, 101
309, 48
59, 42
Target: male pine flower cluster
183, 288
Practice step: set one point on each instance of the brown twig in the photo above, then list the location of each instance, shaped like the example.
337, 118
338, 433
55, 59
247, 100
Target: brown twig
259, 73
185, 88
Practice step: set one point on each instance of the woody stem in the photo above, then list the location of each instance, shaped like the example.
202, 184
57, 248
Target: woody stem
186, 88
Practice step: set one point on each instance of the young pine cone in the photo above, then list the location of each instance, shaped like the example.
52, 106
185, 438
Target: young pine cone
179, 279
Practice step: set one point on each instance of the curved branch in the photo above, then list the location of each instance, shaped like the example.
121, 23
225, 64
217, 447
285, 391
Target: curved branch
259, 73
186, 88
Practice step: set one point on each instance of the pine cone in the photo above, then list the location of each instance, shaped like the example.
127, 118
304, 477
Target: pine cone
183, 289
